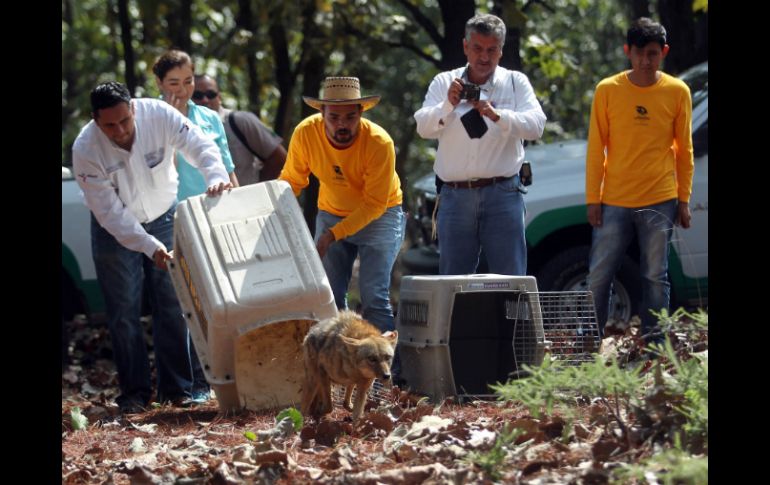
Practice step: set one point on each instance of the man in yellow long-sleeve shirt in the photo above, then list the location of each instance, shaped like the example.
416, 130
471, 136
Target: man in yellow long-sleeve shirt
359, 199
639, 168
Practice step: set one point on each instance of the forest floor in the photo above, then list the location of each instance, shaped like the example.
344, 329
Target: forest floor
402, 438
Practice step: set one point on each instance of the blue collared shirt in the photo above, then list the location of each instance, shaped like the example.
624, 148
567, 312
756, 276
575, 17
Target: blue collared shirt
191, 181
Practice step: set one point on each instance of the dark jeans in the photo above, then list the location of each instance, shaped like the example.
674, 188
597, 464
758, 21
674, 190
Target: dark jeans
120, 272
491, 218
652, 226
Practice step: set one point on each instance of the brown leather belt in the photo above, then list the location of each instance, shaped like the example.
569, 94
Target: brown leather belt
476, 183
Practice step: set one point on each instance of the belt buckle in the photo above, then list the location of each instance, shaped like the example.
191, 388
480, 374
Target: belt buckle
471, 182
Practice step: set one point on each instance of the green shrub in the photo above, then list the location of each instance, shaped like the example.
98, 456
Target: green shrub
670, 467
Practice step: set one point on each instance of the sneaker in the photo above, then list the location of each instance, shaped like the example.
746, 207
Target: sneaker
196, 399
200, 397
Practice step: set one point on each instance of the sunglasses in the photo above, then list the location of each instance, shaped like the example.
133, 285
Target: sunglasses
198, 95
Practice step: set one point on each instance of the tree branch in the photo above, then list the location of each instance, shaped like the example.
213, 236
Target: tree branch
424, 21
414, 49
350, 29
541, 2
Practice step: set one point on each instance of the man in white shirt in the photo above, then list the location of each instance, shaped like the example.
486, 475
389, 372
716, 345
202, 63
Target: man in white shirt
124, 163
481, 113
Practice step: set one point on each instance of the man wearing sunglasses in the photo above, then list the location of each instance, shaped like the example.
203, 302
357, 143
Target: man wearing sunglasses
256, 151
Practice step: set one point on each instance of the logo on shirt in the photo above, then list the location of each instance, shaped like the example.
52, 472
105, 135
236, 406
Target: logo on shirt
120, 164
641, 117
185, 127
154, 158
338, 175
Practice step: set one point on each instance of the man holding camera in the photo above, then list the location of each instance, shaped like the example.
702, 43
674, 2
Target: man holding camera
481, 113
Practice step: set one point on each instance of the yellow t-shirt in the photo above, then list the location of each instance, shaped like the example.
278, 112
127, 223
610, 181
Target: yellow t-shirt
358, 183
647, 133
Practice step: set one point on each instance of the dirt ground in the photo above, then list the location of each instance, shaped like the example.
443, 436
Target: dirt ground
402, 438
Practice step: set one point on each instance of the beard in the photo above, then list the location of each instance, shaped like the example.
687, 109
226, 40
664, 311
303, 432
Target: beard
342, 136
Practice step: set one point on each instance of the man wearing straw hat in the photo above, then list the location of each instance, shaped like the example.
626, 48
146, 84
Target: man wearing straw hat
359, 198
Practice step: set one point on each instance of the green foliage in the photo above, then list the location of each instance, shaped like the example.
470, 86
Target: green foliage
551, 383
687, 382
294, 415
492, 461
669, 404
250, 435
77, 419
691, 326
567, 48
670, 467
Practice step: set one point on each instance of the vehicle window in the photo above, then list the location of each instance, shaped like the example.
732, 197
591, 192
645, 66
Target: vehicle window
700, 140
698, 81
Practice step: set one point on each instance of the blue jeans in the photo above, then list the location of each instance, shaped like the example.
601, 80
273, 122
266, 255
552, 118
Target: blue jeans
490, 217
652, 225
120, 273
377, 244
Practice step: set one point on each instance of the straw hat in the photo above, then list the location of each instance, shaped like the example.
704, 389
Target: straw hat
340, 91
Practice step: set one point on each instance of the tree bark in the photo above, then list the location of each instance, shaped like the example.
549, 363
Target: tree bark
454, 14
679, 20
148, 12
68, 62
179, 21
507, 10
311, 82
640, 8
284, 77
246, 21
128, 49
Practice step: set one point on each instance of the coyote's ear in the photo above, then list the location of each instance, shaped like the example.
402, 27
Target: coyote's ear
391, 335
351, 342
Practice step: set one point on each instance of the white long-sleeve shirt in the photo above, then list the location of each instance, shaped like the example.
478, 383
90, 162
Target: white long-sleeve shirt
126, 189
499, 153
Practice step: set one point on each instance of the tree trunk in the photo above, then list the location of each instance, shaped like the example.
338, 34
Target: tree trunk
511, 58
185, 26
148, 12
246, 21
311, 83
68, 62
284, 77
639, 8
679, 20
179, 20
128, 49
403, 154
514, 20
454, 14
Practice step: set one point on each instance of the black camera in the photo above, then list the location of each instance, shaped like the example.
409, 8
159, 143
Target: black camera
471, 92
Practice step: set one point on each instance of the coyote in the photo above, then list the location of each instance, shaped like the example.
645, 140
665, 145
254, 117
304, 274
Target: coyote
348, 350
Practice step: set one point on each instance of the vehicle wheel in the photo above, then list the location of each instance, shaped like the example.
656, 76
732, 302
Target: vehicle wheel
420, 260
568, 270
